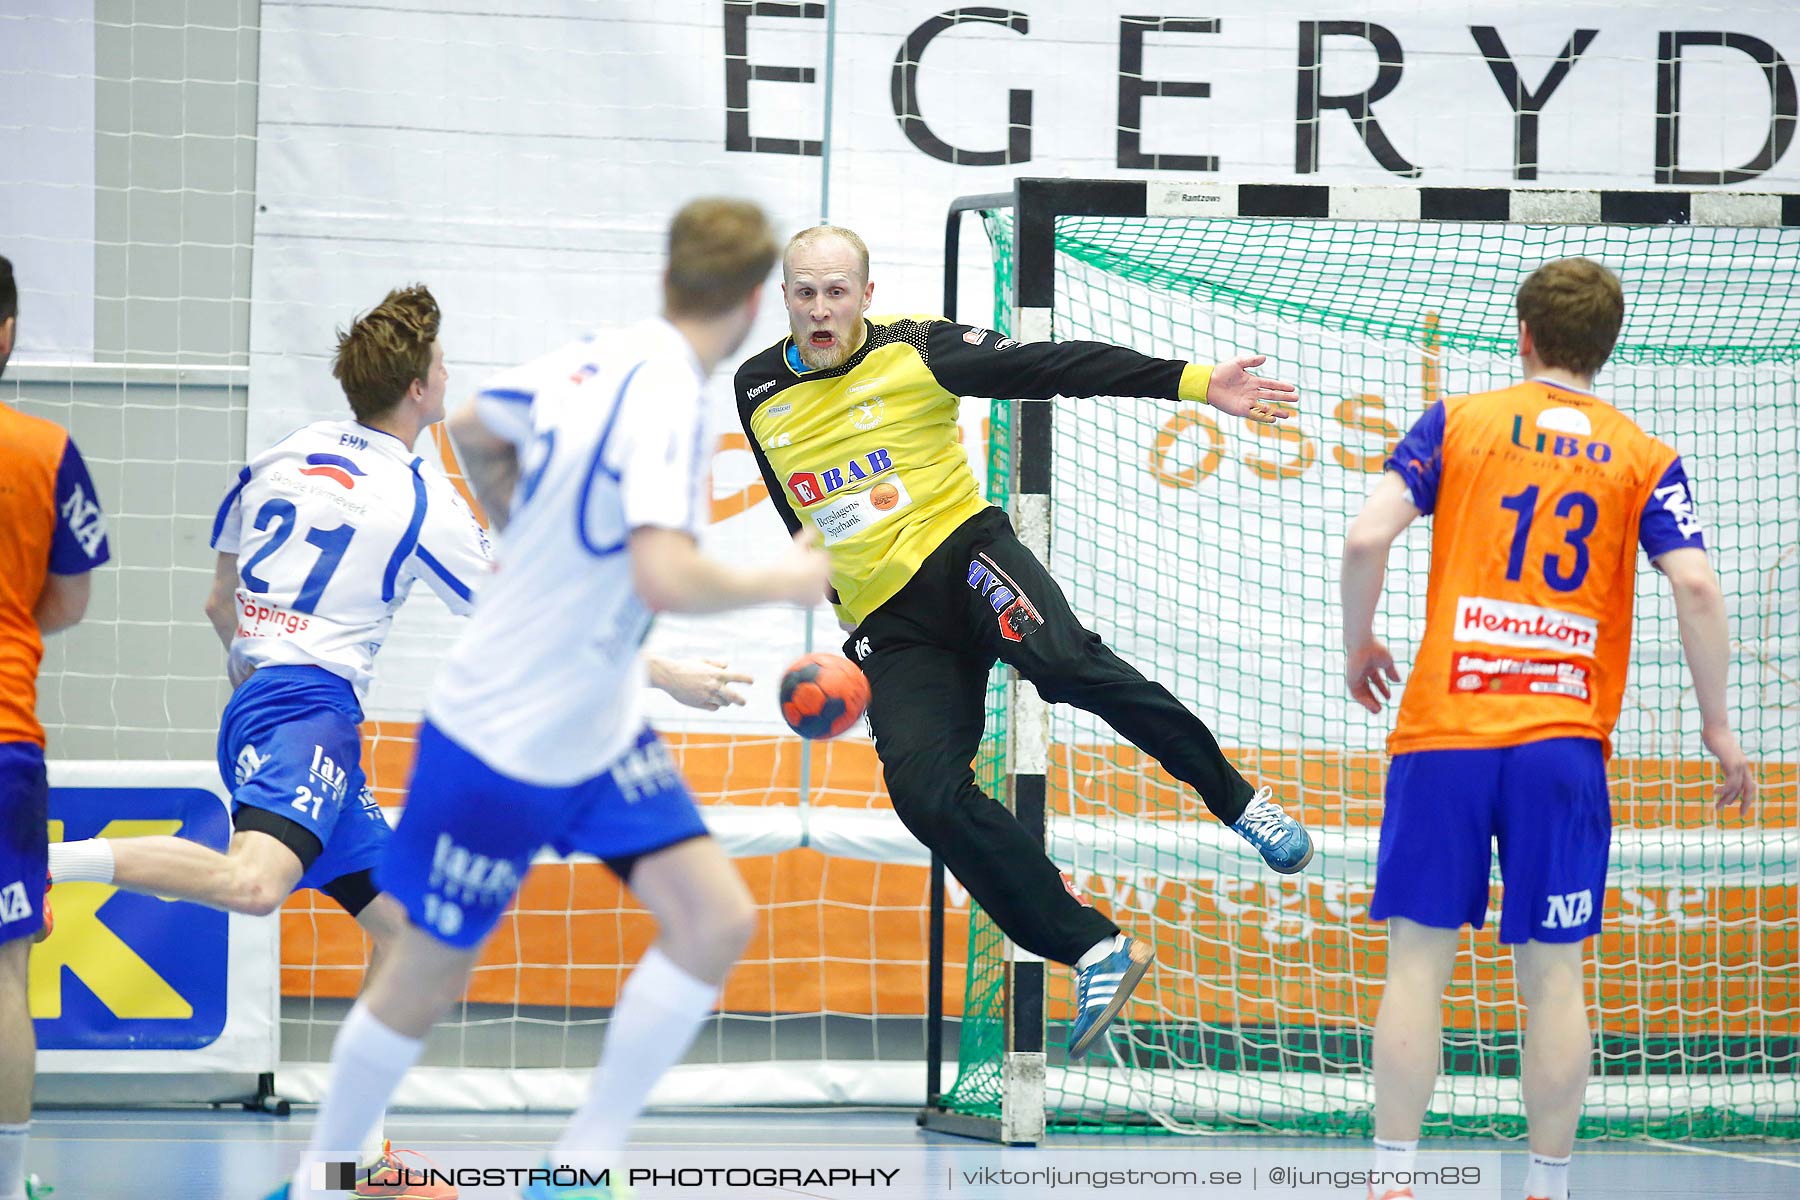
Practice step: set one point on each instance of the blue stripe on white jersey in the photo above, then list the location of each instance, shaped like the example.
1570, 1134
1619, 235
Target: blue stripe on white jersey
226, 506
444, 573
597, 466
409, 541
545, 685
331, 526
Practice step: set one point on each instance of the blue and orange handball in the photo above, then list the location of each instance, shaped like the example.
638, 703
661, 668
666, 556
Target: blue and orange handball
822, 695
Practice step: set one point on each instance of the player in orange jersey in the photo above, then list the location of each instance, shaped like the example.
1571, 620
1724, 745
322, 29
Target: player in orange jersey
1542, 493
52, 533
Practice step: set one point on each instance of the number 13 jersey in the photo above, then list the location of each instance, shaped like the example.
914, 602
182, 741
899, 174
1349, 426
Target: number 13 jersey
1541, 495
331, 526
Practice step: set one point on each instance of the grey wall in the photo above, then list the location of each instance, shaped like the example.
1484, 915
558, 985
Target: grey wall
143, 675
175, 168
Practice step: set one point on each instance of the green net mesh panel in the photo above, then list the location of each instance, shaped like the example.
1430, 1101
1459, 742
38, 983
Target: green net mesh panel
1205, 551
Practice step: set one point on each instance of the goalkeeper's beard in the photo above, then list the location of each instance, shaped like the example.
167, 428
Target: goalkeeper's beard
822, 358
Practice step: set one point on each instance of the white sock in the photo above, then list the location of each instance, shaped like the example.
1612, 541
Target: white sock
87, 861
12, 1160
659, 1011
368, 1060
1547, 1178
1099, 950
375, 1141
1393, 1158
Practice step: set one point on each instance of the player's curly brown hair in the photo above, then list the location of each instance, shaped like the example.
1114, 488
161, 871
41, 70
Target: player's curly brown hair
719, 250
385, 349
1573, 308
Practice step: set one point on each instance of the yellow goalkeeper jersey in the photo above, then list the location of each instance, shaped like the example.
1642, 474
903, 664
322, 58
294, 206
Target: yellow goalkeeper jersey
867, 452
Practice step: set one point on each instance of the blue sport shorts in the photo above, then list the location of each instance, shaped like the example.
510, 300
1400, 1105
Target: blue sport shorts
468, 833
290, 742
1545, 803
24, 839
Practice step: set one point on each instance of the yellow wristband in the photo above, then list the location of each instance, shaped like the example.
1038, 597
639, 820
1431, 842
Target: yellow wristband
1195, 379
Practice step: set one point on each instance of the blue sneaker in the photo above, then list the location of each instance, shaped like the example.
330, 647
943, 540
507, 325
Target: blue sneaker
1102, 990
549, 1191
280, 1193
1282, 841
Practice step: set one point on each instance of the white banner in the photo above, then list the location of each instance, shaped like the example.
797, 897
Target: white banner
525, 164
47, 146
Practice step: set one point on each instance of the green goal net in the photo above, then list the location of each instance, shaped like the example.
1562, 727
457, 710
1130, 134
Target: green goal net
1205, 551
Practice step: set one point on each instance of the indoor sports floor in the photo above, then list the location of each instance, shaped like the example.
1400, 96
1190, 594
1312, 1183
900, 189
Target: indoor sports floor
200, 1154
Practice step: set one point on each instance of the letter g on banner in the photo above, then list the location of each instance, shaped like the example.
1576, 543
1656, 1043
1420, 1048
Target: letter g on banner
905, 89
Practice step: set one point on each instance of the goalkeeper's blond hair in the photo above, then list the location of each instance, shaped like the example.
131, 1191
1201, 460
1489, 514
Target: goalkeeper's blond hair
720, 250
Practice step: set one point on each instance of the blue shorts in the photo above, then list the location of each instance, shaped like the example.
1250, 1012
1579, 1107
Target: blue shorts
290, 744
24, 839
468, 833
1547, 805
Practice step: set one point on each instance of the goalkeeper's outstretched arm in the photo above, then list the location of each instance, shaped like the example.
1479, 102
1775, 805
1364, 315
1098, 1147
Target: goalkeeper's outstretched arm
976, 362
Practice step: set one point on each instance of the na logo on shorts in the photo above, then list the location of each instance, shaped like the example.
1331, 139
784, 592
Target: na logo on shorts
14, 906
249, 762
1570, 911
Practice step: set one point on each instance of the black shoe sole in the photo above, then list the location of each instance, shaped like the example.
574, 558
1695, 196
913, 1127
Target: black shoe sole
1134, 974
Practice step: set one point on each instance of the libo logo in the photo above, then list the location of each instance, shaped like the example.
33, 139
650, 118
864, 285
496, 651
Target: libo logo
1568, 436
810, 487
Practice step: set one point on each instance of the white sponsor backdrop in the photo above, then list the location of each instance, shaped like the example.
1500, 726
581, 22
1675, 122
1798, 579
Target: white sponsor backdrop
47, 144
525, 164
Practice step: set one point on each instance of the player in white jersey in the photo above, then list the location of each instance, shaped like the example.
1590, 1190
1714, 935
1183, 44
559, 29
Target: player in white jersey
319, 542
594, 458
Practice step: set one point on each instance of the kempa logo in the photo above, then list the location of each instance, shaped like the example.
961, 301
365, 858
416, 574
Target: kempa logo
1503, 623
1570, 911
760, 388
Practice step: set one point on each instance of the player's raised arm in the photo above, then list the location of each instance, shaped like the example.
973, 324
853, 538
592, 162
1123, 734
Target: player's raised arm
704, 684
972, 361
671, 575
481, 430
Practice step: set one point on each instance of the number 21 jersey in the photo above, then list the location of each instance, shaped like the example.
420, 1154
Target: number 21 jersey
1540, 495
332, 525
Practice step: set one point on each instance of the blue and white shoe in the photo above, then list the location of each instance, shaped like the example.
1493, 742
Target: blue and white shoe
549, 1191
1281, 840
1102, 990
280, 1193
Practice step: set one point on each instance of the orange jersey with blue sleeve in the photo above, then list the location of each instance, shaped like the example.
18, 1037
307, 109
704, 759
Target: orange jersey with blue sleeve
50, 521
1540, 496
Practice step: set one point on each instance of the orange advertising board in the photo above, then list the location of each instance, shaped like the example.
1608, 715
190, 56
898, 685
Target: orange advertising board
849, 936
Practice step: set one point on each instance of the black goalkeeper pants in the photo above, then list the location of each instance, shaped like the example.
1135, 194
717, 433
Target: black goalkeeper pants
927, 652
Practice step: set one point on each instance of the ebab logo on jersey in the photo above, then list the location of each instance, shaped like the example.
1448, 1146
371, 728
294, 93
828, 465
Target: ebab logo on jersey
334, 467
